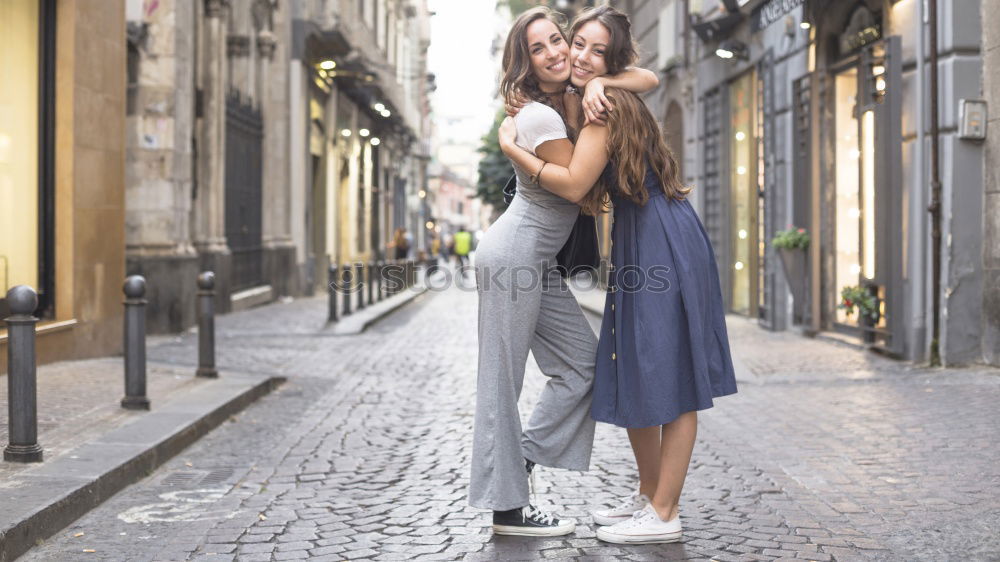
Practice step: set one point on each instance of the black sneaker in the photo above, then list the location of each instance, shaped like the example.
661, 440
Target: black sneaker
529, 521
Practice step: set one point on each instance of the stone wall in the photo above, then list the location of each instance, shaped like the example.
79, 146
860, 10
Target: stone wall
991, 194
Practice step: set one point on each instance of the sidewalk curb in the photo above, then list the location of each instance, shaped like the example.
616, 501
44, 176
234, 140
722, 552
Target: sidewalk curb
359, 321
48, 497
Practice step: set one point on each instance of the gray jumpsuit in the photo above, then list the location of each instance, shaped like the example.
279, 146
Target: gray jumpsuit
524, 304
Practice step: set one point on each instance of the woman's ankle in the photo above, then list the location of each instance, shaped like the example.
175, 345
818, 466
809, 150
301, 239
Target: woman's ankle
666, 513
649, 490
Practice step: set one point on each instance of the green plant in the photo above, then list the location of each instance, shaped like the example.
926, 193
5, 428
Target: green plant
494, 168
860, 298
791, 239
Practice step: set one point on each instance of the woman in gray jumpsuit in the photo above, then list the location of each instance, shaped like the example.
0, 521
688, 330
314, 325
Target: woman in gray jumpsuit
525, 305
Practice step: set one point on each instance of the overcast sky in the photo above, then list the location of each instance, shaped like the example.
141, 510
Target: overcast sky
462, 33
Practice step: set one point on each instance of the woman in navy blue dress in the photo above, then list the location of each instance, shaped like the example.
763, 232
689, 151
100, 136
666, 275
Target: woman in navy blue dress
664, 351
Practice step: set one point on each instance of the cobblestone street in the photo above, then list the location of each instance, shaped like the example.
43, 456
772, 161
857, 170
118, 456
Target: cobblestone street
826, 453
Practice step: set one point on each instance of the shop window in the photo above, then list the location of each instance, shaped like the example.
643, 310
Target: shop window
26, 206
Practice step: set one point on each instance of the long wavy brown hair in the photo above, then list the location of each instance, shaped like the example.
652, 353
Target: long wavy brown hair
517, 75
635, 142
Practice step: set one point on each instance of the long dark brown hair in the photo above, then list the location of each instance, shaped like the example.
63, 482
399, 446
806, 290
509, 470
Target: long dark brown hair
622, 52
635, 142
516, 63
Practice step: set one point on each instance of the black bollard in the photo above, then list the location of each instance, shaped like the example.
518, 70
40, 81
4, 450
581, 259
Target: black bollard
397, 276
346, 285
331, 287
206, 325
360, 283
379, 272
371, 282
135, 344
22, 389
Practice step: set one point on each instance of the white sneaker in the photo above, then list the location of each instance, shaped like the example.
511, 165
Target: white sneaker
623, 512
645, 527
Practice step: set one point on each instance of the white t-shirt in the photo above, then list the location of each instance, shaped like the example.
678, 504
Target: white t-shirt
538, 123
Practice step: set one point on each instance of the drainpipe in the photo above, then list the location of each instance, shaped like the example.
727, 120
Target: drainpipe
935, 207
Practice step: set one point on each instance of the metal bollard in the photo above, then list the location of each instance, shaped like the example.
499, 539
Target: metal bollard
379, 272
331, 287
345, 287
135, 344
398, 276
206, 325
22, 389
371, 282
387, 276
360, 277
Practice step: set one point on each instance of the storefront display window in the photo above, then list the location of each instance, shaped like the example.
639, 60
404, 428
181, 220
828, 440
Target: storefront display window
744, 207
25, 164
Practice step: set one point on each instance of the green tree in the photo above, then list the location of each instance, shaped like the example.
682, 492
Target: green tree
494, 168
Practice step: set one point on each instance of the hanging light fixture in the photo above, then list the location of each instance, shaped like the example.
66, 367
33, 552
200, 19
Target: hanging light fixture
732, 49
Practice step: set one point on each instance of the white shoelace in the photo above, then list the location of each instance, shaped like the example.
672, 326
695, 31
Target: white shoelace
638, 518
539, 515
632, 503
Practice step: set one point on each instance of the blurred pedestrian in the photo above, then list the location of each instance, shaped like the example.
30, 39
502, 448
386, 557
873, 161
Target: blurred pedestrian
463, 246
400, 244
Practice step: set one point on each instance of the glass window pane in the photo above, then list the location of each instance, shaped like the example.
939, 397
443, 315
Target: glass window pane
18, 143
848, 203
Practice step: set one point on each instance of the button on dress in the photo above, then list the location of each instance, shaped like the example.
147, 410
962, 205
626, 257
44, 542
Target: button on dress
664, 347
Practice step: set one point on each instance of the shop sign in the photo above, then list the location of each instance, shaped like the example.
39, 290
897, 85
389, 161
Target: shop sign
770, 12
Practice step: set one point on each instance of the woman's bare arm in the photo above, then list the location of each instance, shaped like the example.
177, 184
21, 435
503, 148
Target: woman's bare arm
570, 182
595, 103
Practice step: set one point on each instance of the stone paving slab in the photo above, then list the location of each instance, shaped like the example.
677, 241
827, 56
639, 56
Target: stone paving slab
79, 400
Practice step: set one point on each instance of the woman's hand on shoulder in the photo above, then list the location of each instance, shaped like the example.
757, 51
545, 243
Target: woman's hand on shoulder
513, 107
507, 134
595, 103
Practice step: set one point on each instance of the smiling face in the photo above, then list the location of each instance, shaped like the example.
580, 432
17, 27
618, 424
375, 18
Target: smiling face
549, 54
587, 55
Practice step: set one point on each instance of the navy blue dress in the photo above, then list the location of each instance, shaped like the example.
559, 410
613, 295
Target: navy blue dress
664, 348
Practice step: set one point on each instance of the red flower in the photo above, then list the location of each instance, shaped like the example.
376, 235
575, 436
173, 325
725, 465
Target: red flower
848, 303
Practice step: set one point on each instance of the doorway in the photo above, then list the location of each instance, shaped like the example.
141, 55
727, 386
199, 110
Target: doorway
866, 213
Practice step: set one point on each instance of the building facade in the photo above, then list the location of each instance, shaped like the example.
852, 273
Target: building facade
453, 203
62, 155
813, 114
267, 140
991, 192
360, 89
